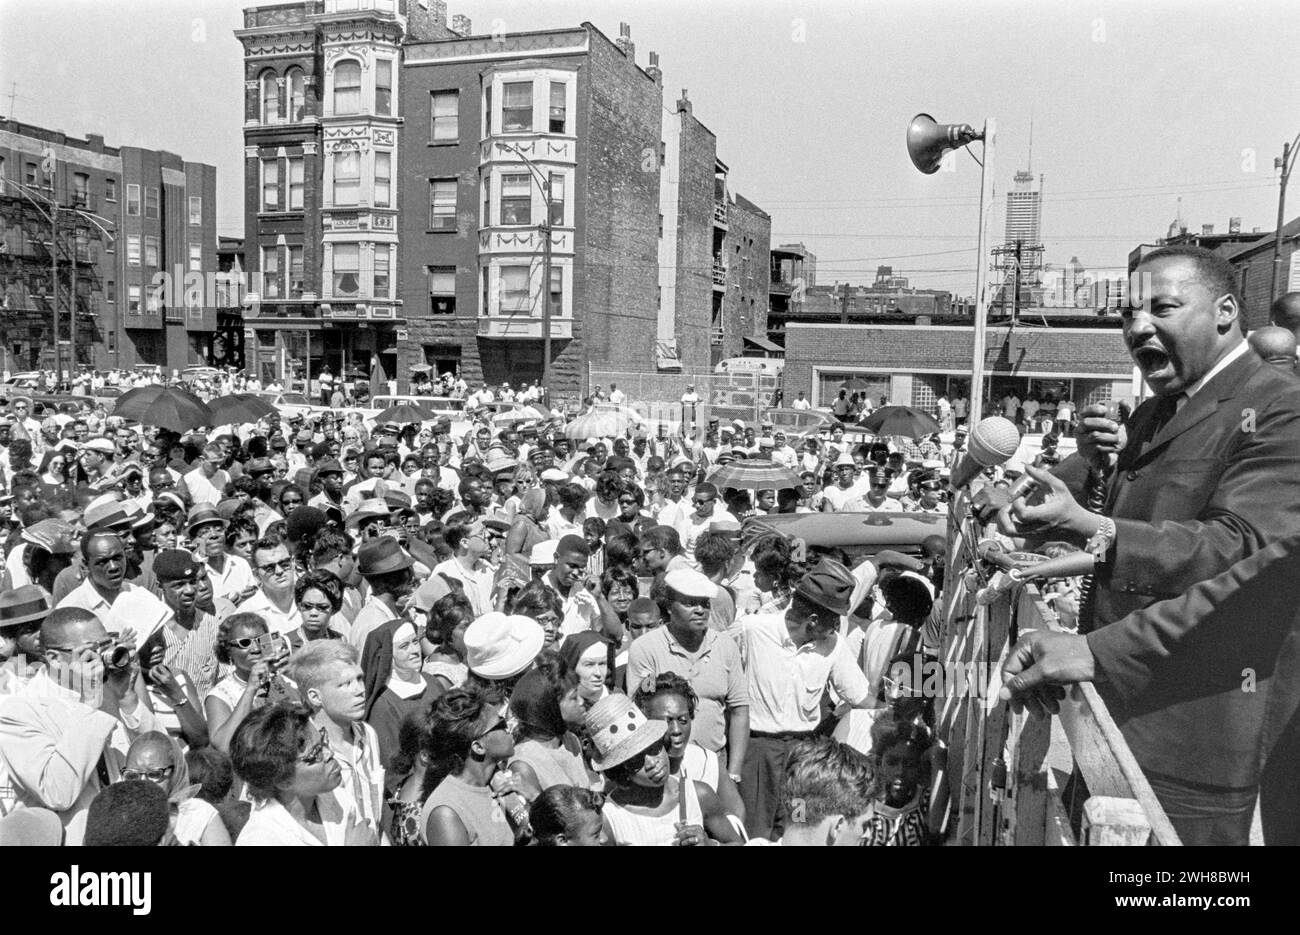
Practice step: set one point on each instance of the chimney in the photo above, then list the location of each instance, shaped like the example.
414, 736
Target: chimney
1207, 230
438, 11
624, 41
1234, 225
96, 142
653, 70
461, 23
684, 104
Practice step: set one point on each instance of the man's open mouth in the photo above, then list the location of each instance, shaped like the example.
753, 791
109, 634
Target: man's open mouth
1152, 360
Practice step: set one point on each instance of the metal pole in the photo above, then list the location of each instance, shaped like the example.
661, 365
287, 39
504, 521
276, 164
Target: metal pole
72, 311
981, 279
545, 229
1277, 237
54, 288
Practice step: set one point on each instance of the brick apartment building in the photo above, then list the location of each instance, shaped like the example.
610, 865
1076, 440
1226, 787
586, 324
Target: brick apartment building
125, 214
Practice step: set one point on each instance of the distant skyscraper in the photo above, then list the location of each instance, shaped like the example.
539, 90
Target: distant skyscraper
1024, 211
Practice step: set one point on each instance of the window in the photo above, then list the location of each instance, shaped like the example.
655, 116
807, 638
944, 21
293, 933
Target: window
442, 290
383, 86
558, 89
297, 95
154, 299
487, 110
132, 200
29, 174
2, 174
132, 251
557, 292
444, 116
487, 201
133, 300
270, 272
442, 204
196, 210
487, 308
383, 179
150, 202
296, 287
346, 268
196, 258
347, 177
381, 271
347, 88
150, 251
557, 200
295, 183
81, 189
514, 289
270, 98
517, 107
516, 199
82, 245
110, 291
270, 185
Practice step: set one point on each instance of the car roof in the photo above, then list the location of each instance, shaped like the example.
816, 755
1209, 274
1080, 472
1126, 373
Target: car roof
870, 531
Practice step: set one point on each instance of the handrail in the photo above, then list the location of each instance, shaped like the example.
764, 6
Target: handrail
1010, 772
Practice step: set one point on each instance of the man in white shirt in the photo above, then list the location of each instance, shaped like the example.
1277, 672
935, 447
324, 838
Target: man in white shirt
274, 599
207, 481
569, 580
790, 657
877, 499
616, 396
698, 522
782, 453
232, 578
470, 544
845, 488
801, 402
108, 595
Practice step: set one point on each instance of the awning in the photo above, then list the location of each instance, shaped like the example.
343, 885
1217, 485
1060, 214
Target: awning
763, 344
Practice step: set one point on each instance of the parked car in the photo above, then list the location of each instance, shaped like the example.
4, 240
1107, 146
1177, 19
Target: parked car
799, 421
20, 384
858, 535
289, 404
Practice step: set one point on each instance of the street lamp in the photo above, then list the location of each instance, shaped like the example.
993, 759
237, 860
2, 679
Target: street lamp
544, 228
927, 143
1285, 163
53, 217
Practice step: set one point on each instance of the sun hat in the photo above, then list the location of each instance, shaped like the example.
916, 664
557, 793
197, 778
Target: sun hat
53, 535
204, 515
367, 509
106, 512
829, 585
619, 731
543, 553
498, 646
381, 556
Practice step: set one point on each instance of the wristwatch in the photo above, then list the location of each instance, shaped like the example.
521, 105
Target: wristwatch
1102, 540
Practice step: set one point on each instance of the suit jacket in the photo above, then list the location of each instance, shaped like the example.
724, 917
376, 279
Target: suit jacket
1192, 501
1203, 685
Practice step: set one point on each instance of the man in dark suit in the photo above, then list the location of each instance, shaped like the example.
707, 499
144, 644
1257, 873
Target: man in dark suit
1209, 475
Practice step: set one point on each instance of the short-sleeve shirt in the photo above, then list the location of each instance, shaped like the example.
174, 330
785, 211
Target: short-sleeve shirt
714, 671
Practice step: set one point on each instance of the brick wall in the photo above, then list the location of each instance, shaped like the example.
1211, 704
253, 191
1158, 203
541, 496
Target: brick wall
747, 248
1256, 268
698, 158
1063, 351
616, 264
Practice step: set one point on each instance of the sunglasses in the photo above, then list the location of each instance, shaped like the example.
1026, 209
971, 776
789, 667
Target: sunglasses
282, 565
152, 775
266, 642
499, 725
319, 752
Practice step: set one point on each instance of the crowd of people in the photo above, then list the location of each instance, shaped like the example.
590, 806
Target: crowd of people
312, 630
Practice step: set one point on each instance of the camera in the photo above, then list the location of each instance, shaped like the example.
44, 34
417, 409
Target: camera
116, 657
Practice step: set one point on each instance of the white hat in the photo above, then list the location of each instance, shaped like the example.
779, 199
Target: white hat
554, 474
102, 445
543, 553
845, 460
690, 583
499, 645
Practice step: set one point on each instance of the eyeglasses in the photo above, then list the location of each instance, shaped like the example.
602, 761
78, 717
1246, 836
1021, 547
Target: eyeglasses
319, 752
499, 725
266, 641
152, 775
271, 567
107, 642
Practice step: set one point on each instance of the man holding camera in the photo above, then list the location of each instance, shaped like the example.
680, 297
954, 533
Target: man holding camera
65, 736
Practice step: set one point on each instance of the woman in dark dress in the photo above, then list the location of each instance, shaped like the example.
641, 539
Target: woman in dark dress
395, 685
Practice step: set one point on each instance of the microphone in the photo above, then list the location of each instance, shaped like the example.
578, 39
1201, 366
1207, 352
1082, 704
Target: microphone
993, 441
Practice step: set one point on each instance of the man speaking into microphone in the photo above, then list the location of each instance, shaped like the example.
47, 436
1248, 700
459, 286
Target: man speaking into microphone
1207, 476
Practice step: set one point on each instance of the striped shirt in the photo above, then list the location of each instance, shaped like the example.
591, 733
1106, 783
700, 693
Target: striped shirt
195, 653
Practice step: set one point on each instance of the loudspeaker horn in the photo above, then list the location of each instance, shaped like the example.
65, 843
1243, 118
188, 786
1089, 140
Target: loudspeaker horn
928, 142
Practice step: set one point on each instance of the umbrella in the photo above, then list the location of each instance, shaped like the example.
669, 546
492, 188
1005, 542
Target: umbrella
754, 475
404, 413
164, 406
240, 408
597, 423
900, 420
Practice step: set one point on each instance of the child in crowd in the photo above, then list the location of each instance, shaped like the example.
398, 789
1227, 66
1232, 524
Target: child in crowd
900, 812
566, 816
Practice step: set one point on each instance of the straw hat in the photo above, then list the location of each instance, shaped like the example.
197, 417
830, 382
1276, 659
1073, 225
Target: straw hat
619, 731
499, 645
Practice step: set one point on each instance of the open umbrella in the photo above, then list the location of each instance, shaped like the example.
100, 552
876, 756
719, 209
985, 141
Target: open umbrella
900, 420
164, 406
754, 475
404, 413
598, 423
240, 408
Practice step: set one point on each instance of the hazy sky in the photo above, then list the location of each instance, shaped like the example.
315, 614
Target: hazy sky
1133, 104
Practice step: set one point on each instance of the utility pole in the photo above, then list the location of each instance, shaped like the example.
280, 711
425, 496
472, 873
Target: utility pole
844, 306
54, 285
1285, 164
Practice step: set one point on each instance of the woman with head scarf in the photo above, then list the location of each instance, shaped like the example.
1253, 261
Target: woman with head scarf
395, 686
155, 757
545, 751
527, 529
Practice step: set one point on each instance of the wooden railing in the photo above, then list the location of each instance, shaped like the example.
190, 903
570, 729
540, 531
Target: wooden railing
1010, 773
